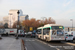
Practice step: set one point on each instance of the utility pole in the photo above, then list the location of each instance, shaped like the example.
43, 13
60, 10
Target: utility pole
17, 24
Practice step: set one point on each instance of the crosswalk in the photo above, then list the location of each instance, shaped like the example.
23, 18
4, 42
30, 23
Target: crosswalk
29, 40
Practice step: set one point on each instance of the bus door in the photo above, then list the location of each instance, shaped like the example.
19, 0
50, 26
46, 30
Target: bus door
46, 33
54, 34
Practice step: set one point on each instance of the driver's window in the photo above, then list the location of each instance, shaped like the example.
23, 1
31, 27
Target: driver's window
53, 32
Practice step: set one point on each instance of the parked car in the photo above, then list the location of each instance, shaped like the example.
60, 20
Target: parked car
69, 37
33, 34
26, 33
29, 33
72, 33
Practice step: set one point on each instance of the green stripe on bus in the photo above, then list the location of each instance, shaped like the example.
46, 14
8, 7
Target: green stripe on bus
63, 27
47, 27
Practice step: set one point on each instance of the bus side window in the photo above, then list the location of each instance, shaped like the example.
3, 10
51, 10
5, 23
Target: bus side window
44, 31
48, 30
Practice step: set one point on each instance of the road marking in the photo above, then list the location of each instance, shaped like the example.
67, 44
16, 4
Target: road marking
44, 43
47, 44
26, 40
70, 43
26, 48
29, 40
57, 48
33, 40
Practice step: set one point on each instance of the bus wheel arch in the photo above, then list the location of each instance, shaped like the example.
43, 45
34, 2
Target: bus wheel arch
46, 38
40, 37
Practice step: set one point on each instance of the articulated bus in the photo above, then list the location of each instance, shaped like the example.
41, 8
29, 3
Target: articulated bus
51, 32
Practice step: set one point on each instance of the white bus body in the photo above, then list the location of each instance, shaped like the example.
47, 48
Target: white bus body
51, 32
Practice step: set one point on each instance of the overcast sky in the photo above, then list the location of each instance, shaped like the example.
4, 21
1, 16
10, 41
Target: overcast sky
60, 10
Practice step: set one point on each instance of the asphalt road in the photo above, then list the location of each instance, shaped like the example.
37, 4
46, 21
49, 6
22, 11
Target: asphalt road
36, 44
32, 44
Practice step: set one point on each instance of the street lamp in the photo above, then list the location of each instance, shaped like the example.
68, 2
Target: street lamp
17, 24
72, 23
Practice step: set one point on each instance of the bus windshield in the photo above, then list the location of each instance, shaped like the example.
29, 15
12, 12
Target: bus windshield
57, 27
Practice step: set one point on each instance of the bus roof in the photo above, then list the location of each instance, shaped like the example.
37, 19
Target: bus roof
48, 25
39, 27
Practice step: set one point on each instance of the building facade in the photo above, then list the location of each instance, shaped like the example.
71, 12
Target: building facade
1, 23
13, 17
22, 18
5, 19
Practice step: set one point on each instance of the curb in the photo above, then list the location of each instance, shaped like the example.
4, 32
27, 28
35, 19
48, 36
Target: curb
22, 45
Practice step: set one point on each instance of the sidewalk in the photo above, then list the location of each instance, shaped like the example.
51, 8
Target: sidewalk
10, 43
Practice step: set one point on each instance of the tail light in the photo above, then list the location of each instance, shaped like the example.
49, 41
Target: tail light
21, 34
66, 37
63, 37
